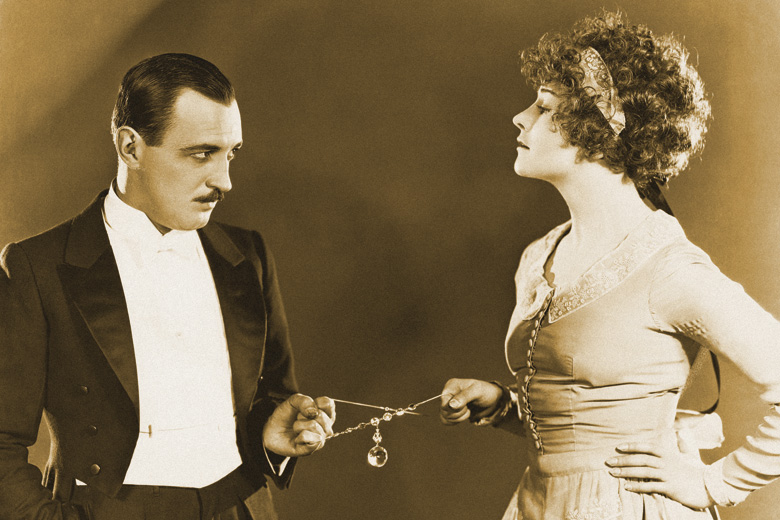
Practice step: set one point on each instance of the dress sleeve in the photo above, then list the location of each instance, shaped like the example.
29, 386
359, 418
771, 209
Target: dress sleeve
690, 296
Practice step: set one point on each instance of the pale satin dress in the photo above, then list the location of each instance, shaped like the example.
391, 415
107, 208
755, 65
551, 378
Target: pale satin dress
602, 361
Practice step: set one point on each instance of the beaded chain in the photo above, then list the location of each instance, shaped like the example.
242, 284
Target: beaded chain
377, 456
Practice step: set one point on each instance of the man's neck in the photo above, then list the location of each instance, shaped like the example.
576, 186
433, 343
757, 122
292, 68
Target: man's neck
120, 187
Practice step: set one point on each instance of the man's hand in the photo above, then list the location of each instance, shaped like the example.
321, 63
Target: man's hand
299, 426
468, 399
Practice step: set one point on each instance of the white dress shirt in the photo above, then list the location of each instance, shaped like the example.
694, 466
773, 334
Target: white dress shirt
188, 428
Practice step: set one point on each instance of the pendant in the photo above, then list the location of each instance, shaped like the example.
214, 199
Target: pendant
377, 456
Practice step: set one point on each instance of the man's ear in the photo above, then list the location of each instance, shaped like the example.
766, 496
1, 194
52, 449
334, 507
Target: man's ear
129, 146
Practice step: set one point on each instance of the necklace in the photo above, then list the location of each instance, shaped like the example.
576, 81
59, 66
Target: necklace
377, 456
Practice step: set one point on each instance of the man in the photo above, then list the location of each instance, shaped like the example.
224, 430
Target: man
154, 342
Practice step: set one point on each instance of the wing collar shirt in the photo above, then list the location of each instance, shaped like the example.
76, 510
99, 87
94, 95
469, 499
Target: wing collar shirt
188, 428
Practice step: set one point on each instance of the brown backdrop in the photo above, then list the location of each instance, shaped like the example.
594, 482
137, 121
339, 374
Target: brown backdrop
378, 164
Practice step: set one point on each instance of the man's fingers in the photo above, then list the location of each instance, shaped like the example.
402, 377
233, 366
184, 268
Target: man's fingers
309, 425
321, 424
327, 405
309, 438
304, 404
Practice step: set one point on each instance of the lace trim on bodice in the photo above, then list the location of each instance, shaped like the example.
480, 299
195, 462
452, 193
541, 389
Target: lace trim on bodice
652, 234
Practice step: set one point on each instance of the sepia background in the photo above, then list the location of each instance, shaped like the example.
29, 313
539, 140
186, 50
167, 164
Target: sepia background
378, 165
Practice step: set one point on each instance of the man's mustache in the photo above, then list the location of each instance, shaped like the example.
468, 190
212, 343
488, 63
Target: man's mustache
216, 195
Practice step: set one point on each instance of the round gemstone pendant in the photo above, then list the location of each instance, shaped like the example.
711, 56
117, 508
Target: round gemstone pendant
377, 456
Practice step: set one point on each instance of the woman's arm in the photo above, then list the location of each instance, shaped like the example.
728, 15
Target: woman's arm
691, 296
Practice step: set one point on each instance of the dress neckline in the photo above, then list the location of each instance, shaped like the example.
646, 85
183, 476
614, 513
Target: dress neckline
655, 231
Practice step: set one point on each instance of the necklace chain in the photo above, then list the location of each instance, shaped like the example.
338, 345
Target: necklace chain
387, 416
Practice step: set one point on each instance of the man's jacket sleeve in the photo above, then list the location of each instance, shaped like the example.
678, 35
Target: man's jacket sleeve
23, 360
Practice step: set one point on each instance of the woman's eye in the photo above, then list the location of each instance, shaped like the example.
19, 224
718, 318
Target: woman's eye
542, 109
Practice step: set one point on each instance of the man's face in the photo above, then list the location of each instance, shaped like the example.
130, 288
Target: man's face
179, 182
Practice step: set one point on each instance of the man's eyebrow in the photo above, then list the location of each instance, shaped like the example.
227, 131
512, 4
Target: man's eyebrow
207, 147
201, 148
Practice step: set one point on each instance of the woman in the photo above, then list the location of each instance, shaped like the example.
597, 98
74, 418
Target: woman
613, 306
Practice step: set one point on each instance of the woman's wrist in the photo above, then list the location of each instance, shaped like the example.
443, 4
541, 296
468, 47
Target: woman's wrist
505, 403
716, 487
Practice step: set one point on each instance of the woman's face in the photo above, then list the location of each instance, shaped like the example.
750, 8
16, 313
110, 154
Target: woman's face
542, 153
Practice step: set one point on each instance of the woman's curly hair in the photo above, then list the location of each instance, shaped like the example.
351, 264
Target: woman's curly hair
661, 94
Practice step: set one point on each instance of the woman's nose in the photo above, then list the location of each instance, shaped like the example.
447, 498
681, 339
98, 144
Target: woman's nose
517, 120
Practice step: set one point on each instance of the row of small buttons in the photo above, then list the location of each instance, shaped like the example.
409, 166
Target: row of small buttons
527, 412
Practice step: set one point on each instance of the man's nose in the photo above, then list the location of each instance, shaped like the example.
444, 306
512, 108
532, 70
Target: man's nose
220, 178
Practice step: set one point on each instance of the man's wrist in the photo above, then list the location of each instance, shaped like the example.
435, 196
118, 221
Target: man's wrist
275, 461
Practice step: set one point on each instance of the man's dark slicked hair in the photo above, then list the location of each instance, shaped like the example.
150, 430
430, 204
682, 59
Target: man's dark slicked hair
150, 89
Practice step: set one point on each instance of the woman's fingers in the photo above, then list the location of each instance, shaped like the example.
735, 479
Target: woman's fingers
637, 472
648, 467
463, 397
640, 459
648, 448
648, 486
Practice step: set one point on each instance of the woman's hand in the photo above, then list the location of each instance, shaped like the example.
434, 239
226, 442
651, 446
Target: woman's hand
468, 399
651, 468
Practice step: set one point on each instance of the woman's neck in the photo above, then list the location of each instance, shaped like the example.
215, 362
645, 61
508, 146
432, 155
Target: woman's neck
605, 207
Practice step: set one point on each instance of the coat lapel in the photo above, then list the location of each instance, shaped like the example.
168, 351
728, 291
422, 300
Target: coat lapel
91, 279
243, 312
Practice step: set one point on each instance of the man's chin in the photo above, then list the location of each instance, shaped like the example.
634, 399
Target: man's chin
197, 225
190, 225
